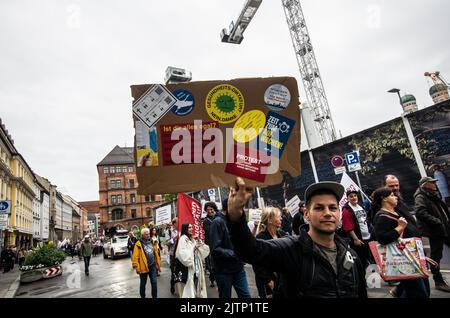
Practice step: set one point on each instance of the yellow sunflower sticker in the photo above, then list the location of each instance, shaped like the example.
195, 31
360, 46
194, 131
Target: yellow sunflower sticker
224, 103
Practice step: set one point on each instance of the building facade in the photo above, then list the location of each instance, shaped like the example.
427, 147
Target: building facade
67, 211
119, 203
92, 210
37, 211
7, 150
58, 208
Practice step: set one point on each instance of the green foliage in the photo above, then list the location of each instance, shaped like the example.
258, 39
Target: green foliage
169, 197
384, 140
47, 255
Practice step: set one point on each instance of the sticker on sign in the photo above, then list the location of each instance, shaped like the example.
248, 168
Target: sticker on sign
154, 104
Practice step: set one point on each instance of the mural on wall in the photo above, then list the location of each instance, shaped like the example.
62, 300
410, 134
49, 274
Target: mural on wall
384, 149
431, 128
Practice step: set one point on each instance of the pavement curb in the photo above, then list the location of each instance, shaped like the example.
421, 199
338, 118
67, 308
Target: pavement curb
13, 288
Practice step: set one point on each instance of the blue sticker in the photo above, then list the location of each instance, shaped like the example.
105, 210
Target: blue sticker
274, 137
185, 102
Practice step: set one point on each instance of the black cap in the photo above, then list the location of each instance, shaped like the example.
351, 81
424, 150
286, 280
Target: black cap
425, 180
351, 191
336, 188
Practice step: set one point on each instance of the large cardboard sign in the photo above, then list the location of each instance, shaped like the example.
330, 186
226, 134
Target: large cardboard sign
217, 130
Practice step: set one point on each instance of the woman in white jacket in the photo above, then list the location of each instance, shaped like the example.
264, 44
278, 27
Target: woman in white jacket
191, 253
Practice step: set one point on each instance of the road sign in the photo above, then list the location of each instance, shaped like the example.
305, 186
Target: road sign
337, 161
211, 192
3, 221
5, 207
354, 167
352, 159
339, 170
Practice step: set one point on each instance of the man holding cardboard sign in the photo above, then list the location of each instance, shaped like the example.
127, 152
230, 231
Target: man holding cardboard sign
338, 272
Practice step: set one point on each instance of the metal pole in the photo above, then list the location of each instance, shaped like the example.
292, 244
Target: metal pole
220, 196
414, 147
357, 179
313, 165
259, 199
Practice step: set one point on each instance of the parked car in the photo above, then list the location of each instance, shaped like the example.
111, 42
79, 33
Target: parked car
116, 245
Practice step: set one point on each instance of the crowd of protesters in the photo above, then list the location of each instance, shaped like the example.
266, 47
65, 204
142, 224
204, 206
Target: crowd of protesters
322, 251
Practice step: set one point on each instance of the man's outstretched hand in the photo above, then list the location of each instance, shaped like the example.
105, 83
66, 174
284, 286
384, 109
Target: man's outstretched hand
237, 199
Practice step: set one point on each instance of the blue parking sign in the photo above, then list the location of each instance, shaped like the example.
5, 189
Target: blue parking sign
352, 157
5, 207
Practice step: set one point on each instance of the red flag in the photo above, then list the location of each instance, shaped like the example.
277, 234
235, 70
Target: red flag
190, 211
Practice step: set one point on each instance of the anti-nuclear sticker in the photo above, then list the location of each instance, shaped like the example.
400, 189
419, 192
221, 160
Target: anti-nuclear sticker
247, 163
153, 104
277, 97
249, 126
185, 102
275, 135
224, 103
146, 145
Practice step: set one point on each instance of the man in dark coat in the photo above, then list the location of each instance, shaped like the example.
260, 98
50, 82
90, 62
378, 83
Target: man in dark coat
433, 218
211, 210
314, 264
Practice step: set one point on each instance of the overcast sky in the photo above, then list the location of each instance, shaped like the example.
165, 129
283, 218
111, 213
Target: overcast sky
66, 66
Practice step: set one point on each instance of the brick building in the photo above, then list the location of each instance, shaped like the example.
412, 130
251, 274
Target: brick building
119, 203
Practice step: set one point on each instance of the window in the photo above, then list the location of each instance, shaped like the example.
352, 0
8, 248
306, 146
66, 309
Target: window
113, 199
133, 213
119, 199
130, 169
117, 214
118, 169
147, 198
131, 181
105, 170
112, 170
116, 184
133, 198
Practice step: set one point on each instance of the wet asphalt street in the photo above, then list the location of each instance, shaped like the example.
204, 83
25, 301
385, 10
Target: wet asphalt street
107, 279
116, 279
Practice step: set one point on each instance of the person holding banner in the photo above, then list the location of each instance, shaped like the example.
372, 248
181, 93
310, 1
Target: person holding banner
314, 264
191, 253
389, 226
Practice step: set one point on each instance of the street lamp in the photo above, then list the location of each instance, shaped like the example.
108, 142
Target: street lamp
396, 90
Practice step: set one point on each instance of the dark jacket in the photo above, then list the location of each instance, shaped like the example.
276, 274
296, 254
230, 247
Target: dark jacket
385, 224
207, 221
262, 275
130, 244
224, 258
297, 222
432, 214
286, 223
291, 255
